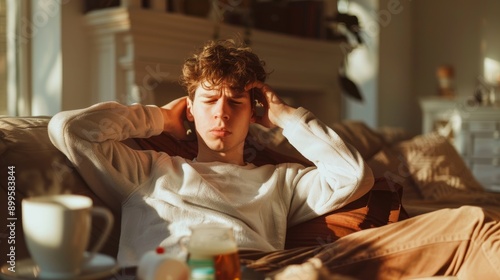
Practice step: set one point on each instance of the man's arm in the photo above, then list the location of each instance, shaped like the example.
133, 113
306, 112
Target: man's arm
340, 176
90, 138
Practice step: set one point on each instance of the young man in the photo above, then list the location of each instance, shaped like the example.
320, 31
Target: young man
161, 196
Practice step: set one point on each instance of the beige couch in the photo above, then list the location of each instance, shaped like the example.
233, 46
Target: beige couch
41, 169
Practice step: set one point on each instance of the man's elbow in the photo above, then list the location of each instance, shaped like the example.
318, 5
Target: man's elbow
365, 180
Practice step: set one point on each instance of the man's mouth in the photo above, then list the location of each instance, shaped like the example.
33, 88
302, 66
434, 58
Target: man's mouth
220, 132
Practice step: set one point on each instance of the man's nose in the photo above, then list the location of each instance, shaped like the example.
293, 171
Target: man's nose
221, 110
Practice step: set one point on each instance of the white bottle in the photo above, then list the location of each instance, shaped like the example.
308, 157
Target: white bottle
157, 265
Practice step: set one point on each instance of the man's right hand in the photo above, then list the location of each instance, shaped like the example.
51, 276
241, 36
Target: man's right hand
174, 116
277, 111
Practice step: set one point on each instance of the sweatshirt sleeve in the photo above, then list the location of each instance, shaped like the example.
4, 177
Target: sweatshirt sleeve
340, 174
90, 138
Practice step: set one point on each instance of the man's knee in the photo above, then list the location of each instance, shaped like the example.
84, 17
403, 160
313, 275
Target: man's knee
471, 211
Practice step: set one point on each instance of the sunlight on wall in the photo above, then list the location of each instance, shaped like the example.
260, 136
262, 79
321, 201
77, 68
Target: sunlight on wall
54, 77
47, 95
363, 60
343, 6
362, 64
46, 58
491, 70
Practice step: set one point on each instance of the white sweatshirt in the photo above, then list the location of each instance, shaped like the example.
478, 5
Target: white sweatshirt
162, 196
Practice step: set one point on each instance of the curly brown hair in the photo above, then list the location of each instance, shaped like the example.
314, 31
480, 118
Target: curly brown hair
225, 61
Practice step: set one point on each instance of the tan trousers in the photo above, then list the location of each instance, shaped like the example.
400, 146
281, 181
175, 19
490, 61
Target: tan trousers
464, 242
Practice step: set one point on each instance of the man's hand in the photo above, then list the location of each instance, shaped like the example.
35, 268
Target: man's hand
276, 110
174, 116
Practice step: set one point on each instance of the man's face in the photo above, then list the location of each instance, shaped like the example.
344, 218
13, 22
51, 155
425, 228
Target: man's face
222, 118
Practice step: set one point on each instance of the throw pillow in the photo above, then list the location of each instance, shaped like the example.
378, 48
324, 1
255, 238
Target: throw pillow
436, 167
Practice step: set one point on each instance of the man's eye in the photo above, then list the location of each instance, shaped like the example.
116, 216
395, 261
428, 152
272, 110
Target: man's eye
236, 102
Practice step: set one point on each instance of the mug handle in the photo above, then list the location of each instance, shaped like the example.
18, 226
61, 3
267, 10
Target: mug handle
106, 214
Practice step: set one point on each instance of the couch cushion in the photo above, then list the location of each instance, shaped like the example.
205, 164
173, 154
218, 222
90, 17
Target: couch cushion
441, 175
40, 168
391, 165
393, 135
436, 167
366, 140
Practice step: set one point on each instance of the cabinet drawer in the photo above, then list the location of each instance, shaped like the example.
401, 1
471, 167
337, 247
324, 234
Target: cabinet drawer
487, 175
482, 126
486, 147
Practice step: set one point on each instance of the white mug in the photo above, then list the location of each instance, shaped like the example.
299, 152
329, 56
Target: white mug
57, 232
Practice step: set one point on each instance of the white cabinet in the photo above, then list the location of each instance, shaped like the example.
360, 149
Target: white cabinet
473, 130
477, 138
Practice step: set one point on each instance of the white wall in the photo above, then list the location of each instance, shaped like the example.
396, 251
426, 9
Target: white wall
396, 104
382, 66
76, 53
490, 39
45, 26
460, 33
422, 36
446, 32
490, 43
59, 56
363, 64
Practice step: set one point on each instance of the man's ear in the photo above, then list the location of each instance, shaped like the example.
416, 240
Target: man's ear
253, 118
189, 112
258, 110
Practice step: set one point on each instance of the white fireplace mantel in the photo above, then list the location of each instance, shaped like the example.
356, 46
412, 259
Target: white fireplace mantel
135, 50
